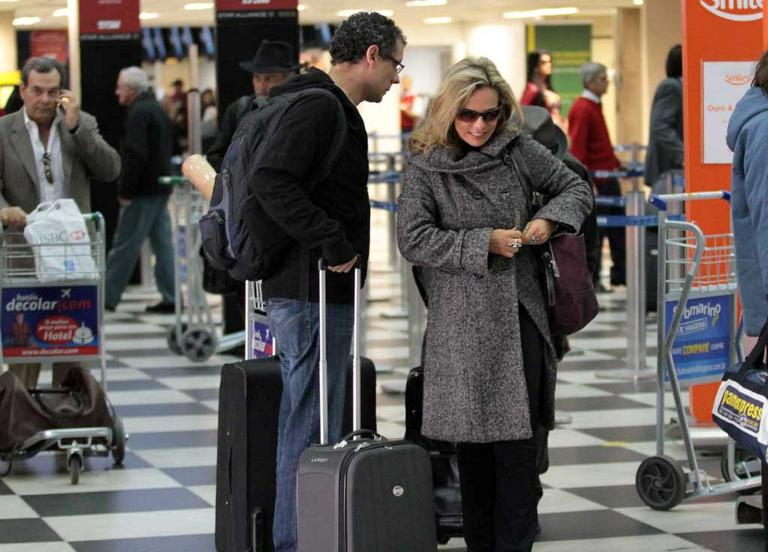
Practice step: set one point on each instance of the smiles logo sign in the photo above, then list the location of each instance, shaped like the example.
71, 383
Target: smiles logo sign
735, 10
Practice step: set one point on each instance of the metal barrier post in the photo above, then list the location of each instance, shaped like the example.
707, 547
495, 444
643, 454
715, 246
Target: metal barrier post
147, 270
635, 206
394, 257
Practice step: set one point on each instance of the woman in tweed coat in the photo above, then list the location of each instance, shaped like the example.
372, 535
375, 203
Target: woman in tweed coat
489, 364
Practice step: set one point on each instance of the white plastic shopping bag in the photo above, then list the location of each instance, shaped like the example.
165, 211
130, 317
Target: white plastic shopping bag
60, 240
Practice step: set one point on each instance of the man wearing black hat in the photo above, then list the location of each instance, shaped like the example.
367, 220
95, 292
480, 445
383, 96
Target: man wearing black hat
273, 64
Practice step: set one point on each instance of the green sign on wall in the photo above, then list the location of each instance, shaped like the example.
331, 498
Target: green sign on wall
571, 47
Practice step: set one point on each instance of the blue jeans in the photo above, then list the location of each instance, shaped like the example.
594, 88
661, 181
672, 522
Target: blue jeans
146, 216
295, 325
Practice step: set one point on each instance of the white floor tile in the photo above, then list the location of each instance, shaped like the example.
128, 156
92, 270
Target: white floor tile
387, 353
395, 413
576, 391
558, 501
113, 344
191, 382
14, 507
90, 481
179, 457
37, 547
167, 424
213, 405
153, 396
561, 437
117, 329
689, 517
148, 362
650, 399
646, 543
390, 430
206, 492
675, 449
614, 418
590, 475
121, 374
134, 525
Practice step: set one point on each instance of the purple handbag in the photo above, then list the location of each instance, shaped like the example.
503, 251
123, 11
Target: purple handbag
567, 283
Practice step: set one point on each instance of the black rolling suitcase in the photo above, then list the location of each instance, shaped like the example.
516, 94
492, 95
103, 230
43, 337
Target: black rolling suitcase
365, 493
249, 404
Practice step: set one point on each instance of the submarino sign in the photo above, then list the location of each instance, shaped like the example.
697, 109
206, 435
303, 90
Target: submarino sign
735, 10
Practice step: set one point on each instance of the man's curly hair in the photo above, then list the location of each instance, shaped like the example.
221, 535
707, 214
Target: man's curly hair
363, 29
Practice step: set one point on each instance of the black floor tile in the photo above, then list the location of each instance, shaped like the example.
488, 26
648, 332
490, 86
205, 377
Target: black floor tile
190, 477
57, 463
203, 394
112, 502
4, 490
583, 366
644, 386
746, 540
175, 439
187, 543
615, 496
596, 403
563, 456
173, 409
26, 530
625, 434
595, 524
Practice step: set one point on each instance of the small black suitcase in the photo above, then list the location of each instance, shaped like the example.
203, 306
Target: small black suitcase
249, 404
365, 493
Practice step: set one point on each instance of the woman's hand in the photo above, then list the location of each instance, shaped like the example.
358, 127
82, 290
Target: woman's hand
538, 231
505, 242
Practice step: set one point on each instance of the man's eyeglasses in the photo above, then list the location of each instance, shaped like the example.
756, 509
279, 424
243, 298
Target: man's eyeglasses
398, 65
47, 167
470, 115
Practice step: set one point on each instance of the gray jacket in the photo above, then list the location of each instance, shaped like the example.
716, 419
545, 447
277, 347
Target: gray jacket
474, 384
665, 139
85, 155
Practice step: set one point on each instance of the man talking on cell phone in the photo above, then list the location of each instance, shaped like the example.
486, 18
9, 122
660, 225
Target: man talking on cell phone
49, 150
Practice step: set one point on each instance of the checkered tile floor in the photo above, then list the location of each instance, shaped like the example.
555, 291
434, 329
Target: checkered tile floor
163, 497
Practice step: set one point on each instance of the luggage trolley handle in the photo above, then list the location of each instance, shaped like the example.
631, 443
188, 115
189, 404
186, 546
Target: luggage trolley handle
322, 266
660, 201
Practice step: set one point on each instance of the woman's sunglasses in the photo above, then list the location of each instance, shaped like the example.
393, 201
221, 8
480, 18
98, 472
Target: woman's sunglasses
470, 115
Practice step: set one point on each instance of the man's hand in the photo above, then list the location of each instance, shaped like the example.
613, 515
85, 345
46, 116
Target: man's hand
346, 267
124, 201
13, 216
71, 109
505, 241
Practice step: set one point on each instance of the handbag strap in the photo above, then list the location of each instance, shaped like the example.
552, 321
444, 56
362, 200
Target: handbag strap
521, 169
757, 354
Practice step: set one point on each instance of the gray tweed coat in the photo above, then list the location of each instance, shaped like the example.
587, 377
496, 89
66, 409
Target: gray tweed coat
474, 384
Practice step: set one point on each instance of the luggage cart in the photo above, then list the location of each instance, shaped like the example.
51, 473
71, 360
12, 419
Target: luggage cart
193, 333
695, 271
50, 320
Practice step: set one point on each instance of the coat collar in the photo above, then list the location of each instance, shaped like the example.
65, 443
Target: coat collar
23, 146
452, 160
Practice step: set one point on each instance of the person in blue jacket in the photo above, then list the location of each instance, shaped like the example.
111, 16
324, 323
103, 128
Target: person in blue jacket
748, 138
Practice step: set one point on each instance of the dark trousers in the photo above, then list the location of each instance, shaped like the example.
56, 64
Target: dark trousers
617, 239
500, 485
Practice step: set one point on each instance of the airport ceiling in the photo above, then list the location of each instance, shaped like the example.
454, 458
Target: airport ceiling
161, 13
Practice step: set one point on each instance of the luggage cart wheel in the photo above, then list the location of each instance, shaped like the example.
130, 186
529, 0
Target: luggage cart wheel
198, 344
173, 343
660, 482
118, 441
75, 464
746, 465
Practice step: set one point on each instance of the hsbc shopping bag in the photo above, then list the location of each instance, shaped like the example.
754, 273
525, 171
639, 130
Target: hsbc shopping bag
741, 402
60, 240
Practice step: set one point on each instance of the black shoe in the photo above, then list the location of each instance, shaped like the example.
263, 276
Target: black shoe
109, 309
162, 308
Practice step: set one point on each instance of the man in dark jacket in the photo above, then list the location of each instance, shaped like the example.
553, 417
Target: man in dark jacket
273, 64
330, 219
146, 155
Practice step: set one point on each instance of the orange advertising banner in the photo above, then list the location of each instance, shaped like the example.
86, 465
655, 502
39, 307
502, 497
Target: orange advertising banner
722, 40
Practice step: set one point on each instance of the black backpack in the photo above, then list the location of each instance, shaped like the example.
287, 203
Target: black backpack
228, 243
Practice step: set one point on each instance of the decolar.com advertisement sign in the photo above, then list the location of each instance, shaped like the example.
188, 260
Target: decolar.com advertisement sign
49, 321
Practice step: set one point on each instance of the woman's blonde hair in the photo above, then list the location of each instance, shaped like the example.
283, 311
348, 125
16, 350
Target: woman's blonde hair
461, 80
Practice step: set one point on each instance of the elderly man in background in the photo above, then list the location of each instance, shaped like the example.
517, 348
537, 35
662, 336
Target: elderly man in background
146, 152
49, 150
591, 144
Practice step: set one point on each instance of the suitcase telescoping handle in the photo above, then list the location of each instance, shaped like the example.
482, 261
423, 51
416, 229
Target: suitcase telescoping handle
356, 371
